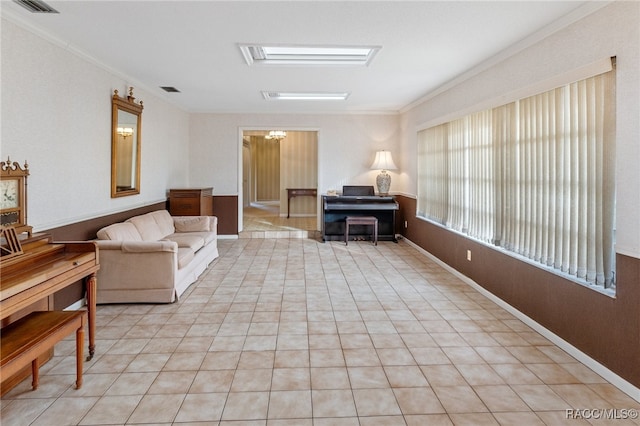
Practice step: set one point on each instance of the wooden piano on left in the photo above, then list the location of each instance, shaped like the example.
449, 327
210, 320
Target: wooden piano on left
29, 280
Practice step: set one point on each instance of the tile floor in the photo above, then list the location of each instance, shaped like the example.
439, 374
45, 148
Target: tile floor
299, 332
264, 221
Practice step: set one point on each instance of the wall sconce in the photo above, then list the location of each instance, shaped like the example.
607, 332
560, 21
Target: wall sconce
383, 162
276, 135
125, 131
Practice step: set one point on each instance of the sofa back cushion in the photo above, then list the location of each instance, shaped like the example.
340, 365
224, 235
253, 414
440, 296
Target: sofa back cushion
191, 223
164, 221
153, 226
120, 232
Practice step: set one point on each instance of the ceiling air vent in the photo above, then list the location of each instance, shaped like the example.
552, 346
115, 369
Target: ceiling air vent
170, 89
36, 6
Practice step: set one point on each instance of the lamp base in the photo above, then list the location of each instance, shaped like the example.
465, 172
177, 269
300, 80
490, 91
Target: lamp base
383, 182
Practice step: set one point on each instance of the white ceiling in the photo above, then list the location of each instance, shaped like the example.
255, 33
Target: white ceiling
193, 46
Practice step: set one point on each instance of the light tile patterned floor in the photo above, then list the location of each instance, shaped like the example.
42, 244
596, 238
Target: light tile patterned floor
297, 332
264, 221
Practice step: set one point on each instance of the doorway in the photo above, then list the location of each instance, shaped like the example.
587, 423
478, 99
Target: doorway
269, 167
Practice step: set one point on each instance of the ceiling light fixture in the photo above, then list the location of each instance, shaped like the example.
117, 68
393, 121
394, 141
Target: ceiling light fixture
125, 131
305, 96
276, 135
308, 55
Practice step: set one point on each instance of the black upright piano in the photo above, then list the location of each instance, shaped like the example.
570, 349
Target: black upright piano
358, 201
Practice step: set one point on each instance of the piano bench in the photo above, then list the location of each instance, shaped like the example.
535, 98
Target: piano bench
24, 340
361, 220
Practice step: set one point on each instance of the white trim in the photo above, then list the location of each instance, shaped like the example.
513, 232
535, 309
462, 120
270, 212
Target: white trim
76, 306
240, 179
94, 215
583, 72
628, 251
609, 292
15, 18
404, 194
228, 237
565, 21
594, 365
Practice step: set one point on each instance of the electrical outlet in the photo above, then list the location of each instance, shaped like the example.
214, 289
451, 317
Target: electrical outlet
469, 255
406, 224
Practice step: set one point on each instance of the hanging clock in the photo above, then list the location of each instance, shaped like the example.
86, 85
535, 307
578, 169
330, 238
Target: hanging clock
13, 196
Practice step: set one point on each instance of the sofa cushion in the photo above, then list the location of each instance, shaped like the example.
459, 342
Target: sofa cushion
194, 242
120, 232
164, 220
208, 237
191, 223
147, 227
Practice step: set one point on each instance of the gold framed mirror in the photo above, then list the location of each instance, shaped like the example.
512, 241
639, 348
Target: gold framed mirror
126, 123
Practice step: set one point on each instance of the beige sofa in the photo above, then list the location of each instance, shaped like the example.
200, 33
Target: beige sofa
154, 258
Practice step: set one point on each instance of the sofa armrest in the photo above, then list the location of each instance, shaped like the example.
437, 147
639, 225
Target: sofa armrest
213, 224
128, 269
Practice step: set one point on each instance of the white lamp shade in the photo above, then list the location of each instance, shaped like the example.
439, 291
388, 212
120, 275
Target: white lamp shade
383, 161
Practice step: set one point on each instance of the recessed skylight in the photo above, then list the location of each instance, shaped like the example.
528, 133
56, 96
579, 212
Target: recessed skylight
306, 96
308, 55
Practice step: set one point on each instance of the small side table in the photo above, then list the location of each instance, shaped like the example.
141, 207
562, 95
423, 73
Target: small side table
298, 192
361, 220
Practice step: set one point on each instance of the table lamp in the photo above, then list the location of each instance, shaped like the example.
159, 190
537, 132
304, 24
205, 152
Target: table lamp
383, 162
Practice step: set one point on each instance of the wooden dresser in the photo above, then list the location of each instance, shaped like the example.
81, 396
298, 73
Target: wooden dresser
29, 281
191, 202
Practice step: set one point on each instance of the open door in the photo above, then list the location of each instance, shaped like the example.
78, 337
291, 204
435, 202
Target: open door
270, 167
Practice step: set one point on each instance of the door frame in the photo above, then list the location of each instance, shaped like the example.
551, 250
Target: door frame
267, 128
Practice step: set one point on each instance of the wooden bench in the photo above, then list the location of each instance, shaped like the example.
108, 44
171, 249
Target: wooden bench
24, 340
361, 220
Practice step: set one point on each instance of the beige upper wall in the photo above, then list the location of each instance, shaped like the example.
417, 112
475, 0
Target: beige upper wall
56, 115
346, 146
611, 31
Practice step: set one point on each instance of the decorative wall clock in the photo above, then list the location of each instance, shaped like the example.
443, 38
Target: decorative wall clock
13, 195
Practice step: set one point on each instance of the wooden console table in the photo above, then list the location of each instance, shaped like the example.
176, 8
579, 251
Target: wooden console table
298, 192
28, 281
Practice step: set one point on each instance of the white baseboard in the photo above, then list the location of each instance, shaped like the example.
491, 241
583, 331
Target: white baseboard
228, 237
78, 305
610, 376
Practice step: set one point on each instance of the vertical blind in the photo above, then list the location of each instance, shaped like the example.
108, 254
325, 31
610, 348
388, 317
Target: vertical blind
535, 177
